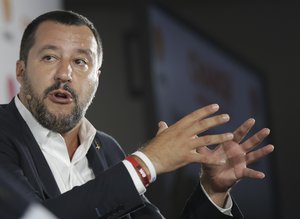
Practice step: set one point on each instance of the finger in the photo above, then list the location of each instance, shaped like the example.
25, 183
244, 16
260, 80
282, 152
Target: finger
200, 126
256, 139
243, 130
210, 140
205, 157
202, 149
253, 174
197, 115
258, 154
161, 127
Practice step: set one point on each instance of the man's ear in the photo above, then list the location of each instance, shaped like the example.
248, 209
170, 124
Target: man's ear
20, 70
99, 72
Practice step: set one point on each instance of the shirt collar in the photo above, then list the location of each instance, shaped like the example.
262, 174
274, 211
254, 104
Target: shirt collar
39, 132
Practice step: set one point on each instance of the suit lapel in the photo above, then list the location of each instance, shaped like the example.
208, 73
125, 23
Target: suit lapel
96, 157
44, 176
44, 172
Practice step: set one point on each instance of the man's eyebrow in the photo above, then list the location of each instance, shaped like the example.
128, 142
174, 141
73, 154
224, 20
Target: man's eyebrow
87, 52
47, 47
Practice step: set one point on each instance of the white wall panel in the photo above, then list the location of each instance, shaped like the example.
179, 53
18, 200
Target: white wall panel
14, 16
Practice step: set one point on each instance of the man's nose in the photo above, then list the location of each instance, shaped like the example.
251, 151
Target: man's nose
64, 72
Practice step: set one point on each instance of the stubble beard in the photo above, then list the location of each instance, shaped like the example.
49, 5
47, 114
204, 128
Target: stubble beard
60, 123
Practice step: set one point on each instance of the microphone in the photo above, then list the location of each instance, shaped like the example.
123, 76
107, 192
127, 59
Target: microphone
28, 97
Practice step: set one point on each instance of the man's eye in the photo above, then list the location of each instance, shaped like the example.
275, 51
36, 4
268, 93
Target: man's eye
80, 62
49, 58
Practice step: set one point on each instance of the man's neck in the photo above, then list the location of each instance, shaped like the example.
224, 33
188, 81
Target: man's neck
72, 140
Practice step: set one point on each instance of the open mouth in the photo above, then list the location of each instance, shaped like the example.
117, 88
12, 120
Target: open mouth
60, 97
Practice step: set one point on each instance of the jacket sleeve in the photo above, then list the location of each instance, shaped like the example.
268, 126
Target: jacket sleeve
111, 195
199, 206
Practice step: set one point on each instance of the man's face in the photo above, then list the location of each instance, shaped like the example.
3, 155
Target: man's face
60, 77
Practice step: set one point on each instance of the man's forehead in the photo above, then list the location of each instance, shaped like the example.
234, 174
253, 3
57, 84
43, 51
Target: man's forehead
53, 27
50, 33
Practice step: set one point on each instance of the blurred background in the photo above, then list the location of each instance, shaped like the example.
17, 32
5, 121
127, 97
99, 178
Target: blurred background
162, 59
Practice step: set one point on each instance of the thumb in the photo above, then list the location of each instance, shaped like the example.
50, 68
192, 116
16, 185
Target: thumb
161, 127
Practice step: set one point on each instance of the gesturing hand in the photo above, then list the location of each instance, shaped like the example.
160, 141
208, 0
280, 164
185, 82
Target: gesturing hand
177, 145
218, 179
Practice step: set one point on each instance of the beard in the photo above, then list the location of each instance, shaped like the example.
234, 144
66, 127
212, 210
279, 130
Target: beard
60, 123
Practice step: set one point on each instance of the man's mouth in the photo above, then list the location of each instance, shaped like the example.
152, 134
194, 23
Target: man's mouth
60, 96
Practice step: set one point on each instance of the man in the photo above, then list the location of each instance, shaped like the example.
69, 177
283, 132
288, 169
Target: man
78, 172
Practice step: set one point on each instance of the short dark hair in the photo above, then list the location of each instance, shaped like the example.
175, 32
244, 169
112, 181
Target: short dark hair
60, 16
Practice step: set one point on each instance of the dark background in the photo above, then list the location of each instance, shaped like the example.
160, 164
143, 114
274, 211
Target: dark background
266, 35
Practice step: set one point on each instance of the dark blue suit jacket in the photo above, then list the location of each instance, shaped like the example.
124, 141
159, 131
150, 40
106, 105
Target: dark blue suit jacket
111, 194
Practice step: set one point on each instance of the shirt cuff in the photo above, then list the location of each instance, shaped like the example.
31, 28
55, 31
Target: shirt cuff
135, 177
228, 205
148, 163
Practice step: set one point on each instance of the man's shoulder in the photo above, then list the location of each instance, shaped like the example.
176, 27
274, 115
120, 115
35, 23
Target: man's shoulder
108, 144
5, 113
9, 118
3, 107
106, 139
7, 109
